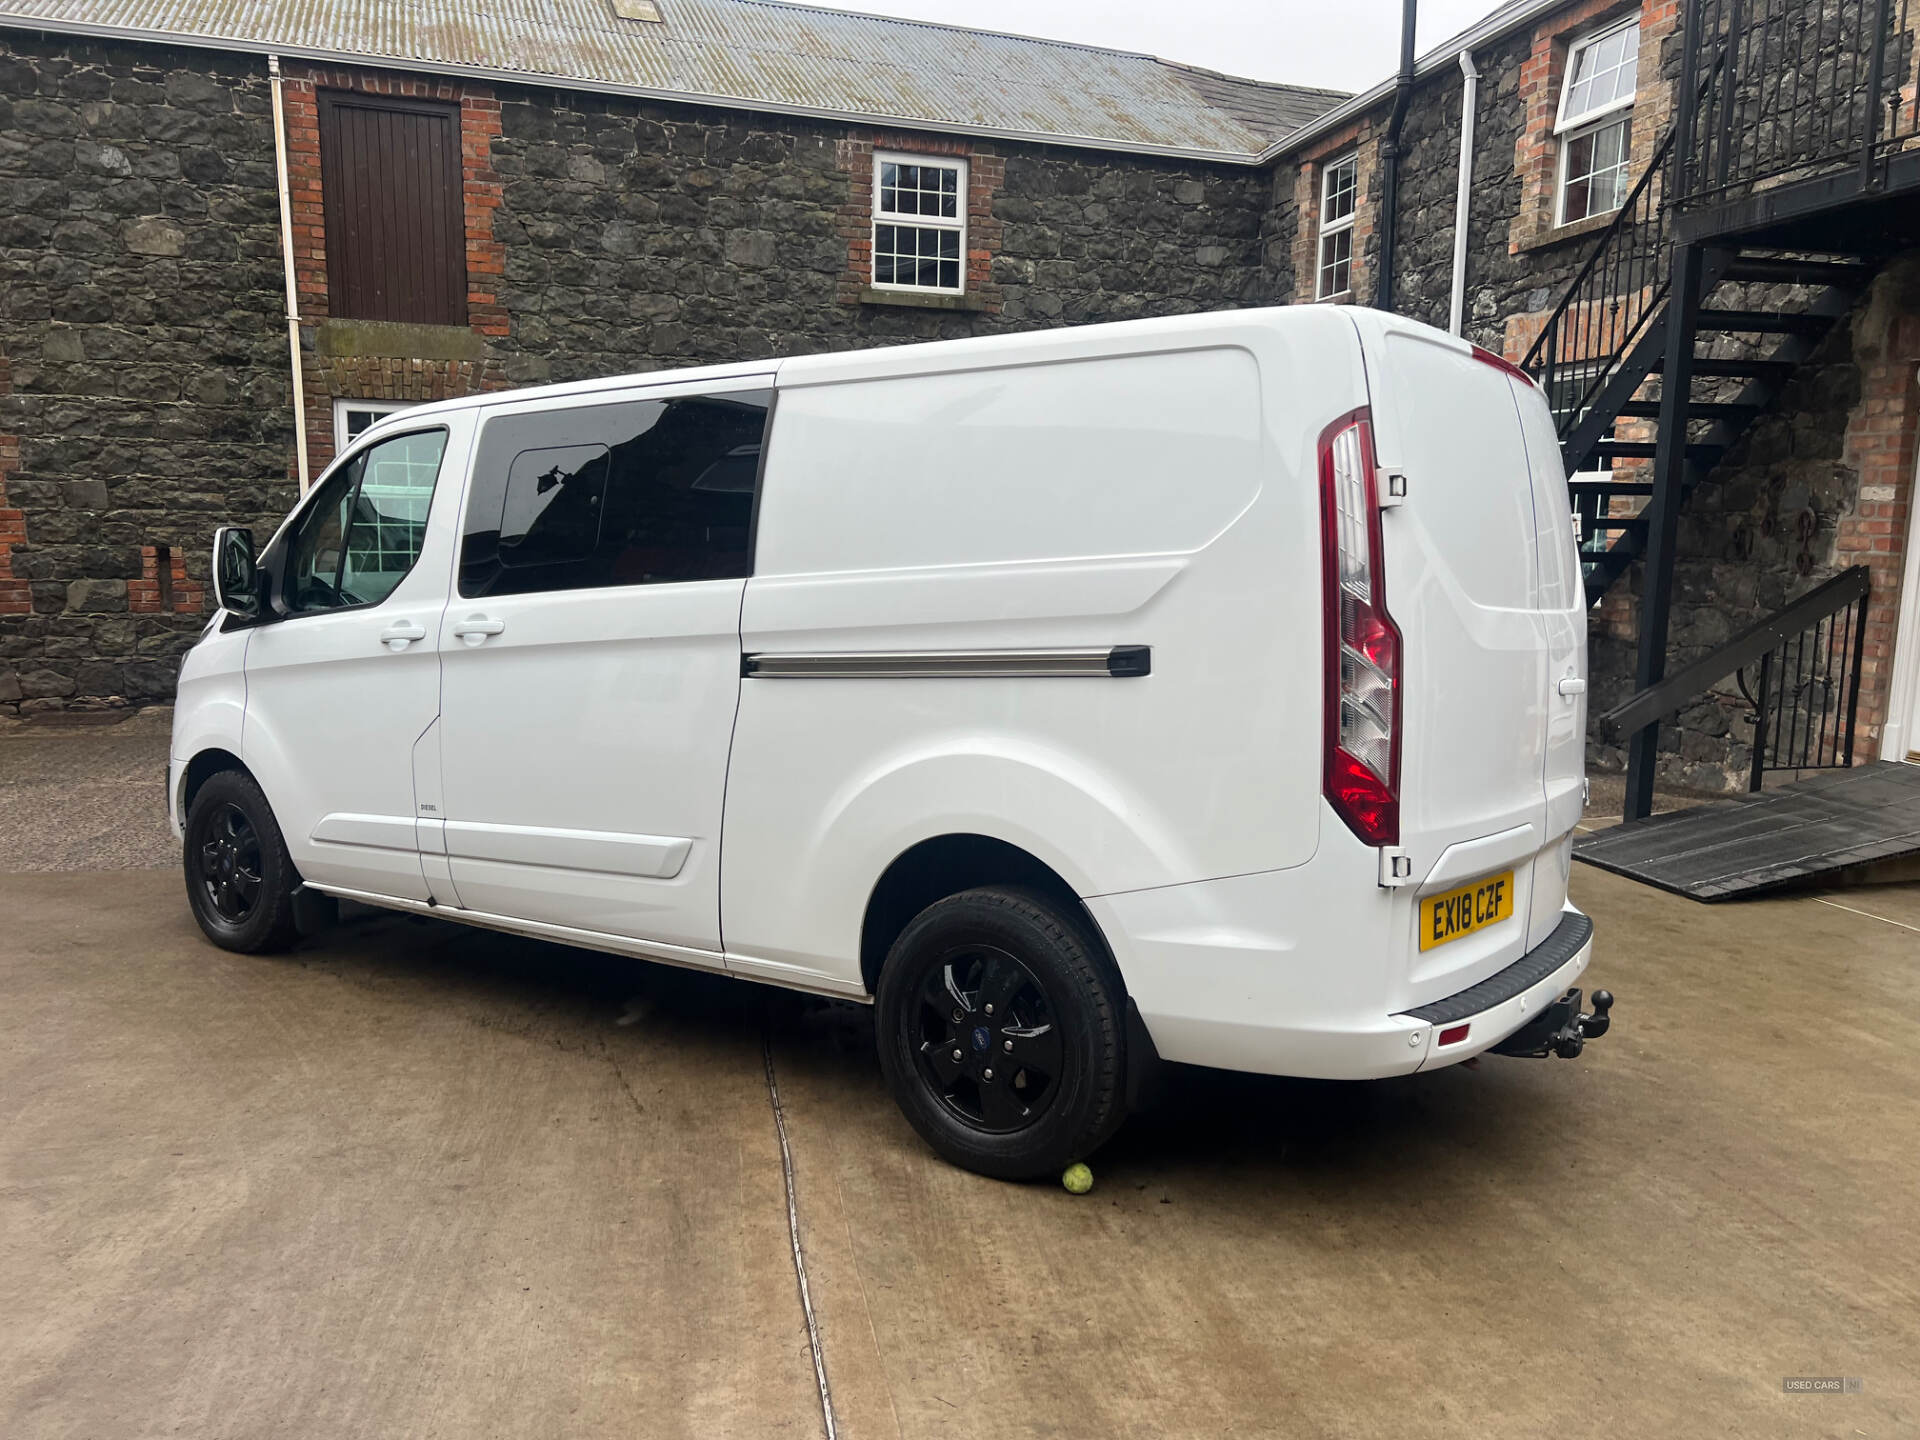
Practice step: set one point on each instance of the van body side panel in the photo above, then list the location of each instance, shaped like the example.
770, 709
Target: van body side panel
209, 708
334, 708
1165, 499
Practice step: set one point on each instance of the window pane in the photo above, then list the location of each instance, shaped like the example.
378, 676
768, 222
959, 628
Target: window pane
1600, 71
1336, 264
364, 533
919, 190
553, 505
1597, 170
646, 492
1338, 188
318, 547
910, 255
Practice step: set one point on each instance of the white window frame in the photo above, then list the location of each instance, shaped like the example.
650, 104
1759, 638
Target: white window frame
1564, 122
381, 408
1328, 228
1619, 114
880, 216
1568, 128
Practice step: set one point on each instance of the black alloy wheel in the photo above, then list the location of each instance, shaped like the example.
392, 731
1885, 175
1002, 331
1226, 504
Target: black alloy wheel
987, 1042
1000, 1025
230, 864
240, 879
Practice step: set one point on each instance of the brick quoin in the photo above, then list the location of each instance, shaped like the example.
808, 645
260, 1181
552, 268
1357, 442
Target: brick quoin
148, 596
1880, 444
392, 378
16, 595
986, 174
1360, 138
1536, 152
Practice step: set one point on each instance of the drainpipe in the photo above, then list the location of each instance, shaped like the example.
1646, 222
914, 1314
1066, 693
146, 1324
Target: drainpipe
1390, 157
286, 254
1456, 314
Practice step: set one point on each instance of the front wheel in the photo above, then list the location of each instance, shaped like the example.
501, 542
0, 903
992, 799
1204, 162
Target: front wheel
1000, 1032
240, 879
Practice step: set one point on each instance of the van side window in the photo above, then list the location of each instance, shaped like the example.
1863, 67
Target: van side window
645, 492
365, 528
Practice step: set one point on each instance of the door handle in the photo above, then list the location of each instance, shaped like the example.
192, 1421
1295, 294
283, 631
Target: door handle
475, 628
402, 633
1571, 686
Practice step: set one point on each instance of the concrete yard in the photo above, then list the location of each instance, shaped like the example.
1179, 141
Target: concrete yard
414, 1180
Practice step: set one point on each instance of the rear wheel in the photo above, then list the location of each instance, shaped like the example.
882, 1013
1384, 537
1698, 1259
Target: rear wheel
240, 880
1000, 1033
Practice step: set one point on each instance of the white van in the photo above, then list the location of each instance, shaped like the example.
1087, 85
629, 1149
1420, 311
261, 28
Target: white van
1206, 689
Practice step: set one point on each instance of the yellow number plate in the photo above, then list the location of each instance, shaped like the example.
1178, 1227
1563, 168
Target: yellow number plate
1463, 911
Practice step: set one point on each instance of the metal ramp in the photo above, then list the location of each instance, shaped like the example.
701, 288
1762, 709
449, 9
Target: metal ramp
1762, 841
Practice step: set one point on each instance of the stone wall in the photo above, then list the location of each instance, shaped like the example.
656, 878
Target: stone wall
144, 382
645, 235
1821, 482
140, 303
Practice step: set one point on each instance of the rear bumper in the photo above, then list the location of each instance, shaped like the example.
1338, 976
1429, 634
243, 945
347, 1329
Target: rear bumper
1263, 974
1481, 1016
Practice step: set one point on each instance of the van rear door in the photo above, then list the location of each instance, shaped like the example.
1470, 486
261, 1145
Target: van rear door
1563, 609
1463, 584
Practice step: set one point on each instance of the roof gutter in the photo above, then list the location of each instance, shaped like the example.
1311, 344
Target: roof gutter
536, 80
1390, 157
1502, 22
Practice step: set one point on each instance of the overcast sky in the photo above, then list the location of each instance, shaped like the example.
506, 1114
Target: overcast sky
1341, 44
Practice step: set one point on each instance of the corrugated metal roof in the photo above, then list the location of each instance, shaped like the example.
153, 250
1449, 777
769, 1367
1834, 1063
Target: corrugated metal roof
756, 54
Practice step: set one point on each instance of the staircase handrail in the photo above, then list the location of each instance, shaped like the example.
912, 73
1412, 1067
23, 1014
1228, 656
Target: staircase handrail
1690, 682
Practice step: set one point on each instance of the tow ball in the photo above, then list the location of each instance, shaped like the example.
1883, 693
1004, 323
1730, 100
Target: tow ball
1560, 1029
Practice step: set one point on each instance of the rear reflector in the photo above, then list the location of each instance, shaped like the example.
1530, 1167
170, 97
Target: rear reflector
1454, 1034
1362, 746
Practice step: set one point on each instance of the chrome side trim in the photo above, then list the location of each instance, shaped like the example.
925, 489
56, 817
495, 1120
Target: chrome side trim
1119, 662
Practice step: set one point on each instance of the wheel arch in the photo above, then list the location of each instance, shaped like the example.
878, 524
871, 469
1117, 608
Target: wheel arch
203, 767
943, 865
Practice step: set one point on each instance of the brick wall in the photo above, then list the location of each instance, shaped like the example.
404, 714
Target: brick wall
16, 596
986, 173
1362, 139
386, 365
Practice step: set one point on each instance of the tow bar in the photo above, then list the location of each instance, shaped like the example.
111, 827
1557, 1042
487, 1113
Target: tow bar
1560, 1029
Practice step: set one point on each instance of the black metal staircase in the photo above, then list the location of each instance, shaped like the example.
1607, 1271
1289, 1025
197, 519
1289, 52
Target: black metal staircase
1791, 171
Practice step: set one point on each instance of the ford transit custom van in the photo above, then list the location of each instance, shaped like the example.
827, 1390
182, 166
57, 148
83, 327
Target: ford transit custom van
1205, 689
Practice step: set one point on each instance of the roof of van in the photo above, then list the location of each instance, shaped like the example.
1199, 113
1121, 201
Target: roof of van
763, 55
885, 361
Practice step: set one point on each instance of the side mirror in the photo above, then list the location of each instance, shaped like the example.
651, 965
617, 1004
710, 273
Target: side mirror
236, 576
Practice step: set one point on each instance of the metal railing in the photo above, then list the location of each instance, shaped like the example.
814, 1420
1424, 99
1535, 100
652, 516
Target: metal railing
1806, 691
1609, 303
1790, 89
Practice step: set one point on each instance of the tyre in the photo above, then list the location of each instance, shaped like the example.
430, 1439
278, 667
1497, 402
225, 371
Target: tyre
1001, 1033
240, 880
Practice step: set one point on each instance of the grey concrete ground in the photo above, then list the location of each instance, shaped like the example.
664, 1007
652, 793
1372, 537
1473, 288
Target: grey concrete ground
414, 1180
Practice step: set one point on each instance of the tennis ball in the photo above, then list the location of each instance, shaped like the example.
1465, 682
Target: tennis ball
1077, 1178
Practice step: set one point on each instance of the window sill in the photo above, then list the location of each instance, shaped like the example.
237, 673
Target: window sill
353, 339
1547, 235
932, 300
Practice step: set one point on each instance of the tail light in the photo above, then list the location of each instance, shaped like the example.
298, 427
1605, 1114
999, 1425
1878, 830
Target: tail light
1362, 761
